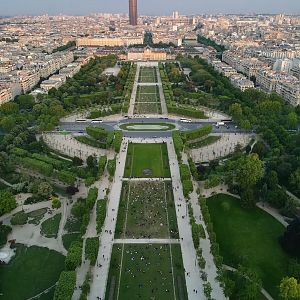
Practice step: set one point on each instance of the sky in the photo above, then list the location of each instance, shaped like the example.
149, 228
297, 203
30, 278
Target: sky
147, 7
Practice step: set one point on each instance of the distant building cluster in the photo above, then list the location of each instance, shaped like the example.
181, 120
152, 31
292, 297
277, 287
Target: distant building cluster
262, 51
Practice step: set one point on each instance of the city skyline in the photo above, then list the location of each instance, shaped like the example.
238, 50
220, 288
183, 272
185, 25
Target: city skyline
155, 7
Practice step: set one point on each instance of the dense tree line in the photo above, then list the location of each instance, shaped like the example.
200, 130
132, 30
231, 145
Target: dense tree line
267, 114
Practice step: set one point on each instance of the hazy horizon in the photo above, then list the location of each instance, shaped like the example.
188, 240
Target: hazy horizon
153, 7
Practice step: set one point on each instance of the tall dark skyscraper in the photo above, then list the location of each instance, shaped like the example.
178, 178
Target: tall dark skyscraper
133, 12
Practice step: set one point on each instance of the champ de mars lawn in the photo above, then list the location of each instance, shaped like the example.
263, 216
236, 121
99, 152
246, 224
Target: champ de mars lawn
147, 160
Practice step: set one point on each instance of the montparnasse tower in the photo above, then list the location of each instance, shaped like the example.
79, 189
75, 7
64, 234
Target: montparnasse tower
133, 12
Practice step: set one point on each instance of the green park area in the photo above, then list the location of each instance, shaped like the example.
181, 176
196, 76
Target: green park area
146, 271
31, 271
249, 237
147, 108
147, 94
147, 75
147, 210
147, 160
148, 126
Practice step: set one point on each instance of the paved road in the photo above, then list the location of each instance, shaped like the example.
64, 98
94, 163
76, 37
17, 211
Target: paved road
113, 125
100, 274
192, 270
146, 241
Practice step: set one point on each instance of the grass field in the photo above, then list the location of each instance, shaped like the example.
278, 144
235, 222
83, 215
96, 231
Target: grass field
147, 160
147, 94
147, 272
147, 126
249, 236
30, 272
147, 75
49, 228
147, 210
147, 108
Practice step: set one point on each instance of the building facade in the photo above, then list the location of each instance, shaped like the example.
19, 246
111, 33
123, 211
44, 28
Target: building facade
133, 12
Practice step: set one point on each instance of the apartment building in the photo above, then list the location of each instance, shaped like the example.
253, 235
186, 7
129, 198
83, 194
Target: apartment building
241, 82
28, 80
47, 85
267, 80
295, 71
5, 94
289, 90
110, 42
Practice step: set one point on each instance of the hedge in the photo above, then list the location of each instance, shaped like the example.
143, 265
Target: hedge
91, 198
19, 152
184, 172
101, 214
196, 235
187, 187
111, 166
178, 143
66, 177
97, 133
102, 165
73, 259
193, 169
57, 164
65, 287
91, 249
20, 218
197, 133
117, 140
36, 165
185, 111
89, 141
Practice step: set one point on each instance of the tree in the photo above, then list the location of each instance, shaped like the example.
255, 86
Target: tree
248, 170
290, 241
55, 202
91, 162
7, 202
292, 120
45, 190
295, 179
236, 111
272, 180
248, 283
25, 101
289, 288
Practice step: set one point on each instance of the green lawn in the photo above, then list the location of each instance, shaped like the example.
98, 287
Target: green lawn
50, 227
147, 273
30, 272
249, 236
68, 238
147, 126
147, 75
147, 108
147, 98
145, 210
36, 216
147, 160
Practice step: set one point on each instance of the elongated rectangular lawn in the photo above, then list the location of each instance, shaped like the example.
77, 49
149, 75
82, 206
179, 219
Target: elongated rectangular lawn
147, 160
147, 210
147, 272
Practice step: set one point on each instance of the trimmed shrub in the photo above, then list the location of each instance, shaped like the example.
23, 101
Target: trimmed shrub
73, 259
91, 249
65, 287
